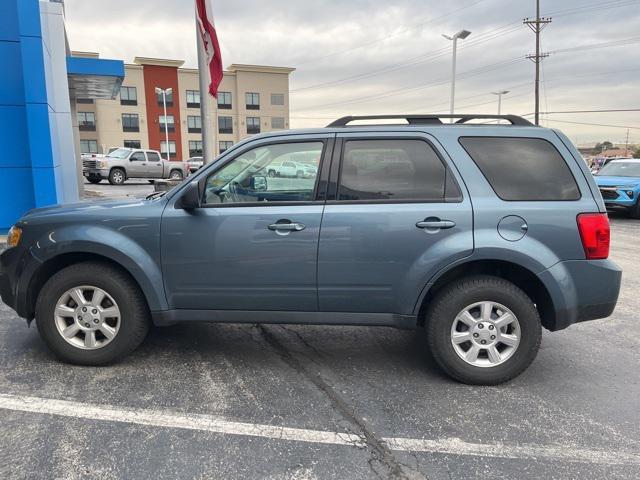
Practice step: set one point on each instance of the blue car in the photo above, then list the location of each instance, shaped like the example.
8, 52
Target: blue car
619, 184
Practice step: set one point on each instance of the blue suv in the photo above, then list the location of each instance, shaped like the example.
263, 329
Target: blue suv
480, 233
619, 183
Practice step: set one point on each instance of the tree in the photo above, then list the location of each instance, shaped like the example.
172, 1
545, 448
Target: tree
606, 145
637, 154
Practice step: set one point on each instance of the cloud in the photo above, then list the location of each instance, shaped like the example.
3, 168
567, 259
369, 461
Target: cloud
395, 52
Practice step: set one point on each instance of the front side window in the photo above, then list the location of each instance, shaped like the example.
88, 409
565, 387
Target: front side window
128, 96
253, 101
522, 169
253, 125
86, 121
130, 122
224, 100
257, 176
169, 121
394, 170
193, 99
88, 146
194, 124
137, 157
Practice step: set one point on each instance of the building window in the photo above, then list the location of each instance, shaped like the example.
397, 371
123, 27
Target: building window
253, 101
132, 144
193, 99
128, 96
253, 125
277, 99
224, 100
169, 99
172, 149
88, 146
87, 121
130, 122
277, 123
195, 148
170, 122
194, 124
85, 100
225, 145
225, 125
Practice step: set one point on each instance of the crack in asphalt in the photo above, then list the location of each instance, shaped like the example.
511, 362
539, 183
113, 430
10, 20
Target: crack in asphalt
380, 453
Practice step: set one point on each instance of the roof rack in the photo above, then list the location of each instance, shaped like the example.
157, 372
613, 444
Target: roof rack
432, 119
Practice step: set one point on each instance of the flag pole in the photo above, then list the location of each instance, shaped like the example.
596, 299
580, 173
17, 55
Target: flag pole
207, 122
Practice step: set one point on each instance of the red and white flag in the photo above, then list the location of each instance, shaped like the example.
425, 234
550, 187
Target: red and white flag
210, 42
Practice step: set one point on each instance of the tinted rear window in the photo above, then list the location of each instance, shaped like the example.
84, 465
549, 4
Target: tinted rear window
391, 170
522, 168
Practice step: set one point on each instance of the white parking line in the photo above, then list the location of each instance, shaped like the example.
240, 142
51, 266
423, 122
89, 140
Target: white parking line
209, 423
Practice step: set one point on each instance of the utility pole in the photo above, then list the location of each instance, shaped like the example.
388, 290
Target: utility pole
626, 145
536, 27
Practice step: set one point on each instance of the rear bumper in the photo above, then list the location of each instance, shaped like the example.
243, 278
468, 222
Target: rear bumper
582, 290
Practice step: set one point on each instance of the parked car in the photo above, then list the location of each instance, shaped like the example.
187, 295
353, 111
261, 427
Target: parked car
195, 164
481, 234
619, 184
125, 163
286, 168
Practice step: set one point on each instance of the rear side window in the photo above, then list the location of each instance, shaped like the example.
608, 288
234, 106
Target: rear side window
391, 170
522, 169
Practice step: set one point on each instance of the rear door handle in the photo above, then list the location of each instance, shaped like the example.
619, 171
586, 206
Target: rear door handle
436, 224
287, 227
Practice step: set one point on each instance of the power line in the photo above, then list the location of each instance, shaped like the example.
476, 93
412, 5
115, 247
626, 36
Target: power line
609, 110
595, 124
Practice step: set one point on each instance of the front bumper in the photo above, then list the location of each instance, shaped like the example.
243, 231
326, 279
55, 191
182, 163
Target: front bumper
582, 290
95, 172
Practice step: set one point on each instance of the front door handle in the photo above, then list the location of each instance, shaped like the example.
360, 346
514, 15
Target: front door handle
287, 227
435, 224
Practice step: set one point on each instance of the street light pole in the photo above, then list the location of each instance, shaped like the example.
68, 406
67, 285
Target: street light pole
499, 94
164, 93
462, 34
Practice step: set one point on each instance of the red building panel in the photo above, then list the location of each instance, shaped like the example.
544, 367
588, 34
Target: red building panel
162, 77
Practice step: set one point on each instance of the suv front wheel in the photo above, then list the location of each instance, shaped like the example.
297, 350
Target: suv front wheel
483, 330
91, 314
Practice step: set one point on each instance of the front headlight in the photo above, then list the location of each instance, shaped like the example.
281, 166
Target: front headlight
13, 238
102, 164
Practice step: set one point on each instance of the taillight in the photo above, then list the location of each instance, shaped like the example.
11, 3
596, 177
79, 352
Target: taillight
595, 234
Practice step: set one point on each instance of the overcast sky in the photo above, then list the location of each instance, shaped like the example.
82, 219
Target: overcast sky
381, 56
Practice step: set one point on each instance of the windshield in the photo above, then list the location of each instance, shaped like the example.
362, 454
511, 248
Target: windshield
621, 169
120, 153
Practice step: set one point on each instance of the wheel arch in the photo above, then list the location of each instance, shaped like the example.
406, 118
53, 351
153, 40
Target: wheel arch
520, 276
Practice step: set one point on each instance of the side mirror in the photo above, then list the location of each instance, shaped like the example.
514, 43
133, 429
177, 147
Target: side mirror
190, 198
259, 184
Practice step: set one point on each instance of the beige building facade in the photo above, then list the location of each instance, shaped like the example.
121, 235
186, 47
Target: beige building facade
252, 99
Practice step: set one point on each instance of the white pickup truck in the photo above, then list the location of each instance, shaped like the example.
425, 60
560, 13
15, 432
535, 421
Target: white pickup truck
125, 163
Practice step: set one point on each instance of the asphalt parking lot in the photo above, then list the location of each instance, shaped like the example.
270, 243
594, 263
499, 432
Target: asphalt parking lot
276, 402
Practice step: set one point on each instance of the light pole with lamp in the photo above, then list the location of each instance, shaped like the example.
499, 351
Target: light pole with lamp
164, 93
462, 34
500, 94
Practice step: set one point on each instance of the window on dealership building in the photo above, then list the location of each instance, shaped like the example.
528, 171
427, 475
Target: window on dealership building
169, 99
225, 145
252, 101
277, 123
194, 124
128, 96
224, 100
172, 148
277, 99
253, 125
131, 144
130, 122
87, 121
169, 120
195, 148
225, 125
193, 99
88, 146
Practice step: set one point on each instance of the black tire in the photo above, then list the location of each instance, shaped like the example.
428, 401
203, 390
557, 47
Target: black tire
634, 212
272, 173
176, 175
134, 322
117, 176
94, 180
453, 299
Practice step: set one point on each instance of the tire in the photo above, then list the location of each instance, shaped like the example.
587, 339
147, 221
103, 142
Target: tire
130, 329
176, 175
634, 212
444, 316
117, 176
94, 180
272, 173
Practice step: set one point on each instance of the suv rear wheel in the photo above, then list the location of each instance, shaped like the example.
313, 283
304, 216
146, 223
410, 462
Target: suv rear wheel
91, 314
483, 330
